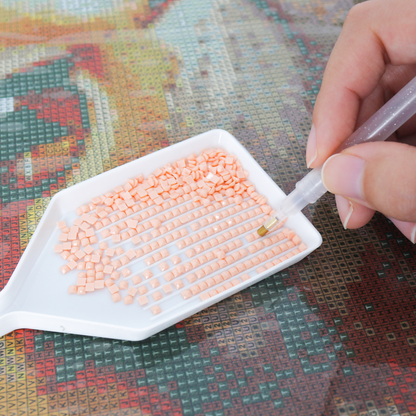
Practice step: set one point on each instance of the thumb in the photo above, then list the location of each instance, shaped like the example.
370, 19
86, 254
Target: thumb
381, 176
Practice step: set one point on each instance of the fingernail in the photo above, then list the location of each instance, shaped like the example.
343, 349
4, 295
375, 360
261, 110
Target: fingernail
342, 175
345, 210
311, 153
408, 229
347, 218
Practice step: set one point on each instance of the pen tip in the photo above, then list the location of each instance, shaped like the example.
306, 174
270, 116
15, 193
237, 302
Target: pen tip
262, 231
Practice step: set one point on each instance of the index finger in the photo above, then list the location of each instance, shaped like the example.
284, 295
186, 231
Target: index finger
375, 33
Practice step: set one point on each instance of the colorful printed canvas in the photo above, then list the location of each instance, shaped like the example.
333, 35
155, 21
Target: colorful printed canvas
88, 85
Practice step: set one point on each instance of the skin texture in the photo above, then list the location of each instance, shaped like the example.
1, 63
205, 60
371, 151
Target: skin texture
374, 57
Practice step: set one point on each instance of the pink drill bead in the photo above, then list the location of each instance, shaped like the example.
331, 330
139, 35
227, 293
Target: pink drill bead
155, 233
210, 256
202, 259
124, 260
262, 257
168, 239
128, 300
110, 252
187, 267
186, 294
210, 282
154, 283
123, 285
276, 250
170, 226
290, 244
178, 284
195, 289
218, 279
99, 284
146, 249
195, 263
157, 257
113, 288
248, 227
115, 275
225, 275
142, 300
163, 266
233, 271
175, 260
164, 253
220, 254
116, 264
200, 274
191, 278
203, 222
168, 276
147, 274
146, 225
216, 228
222, 263
142, 290
207, 270
126, 272
227, 235
190, 253
255, 261
167, 288
198, 249
136, 280
250, 238
234, 232
195, 227
283, 247
162, 242
116, 297
245, 277
248, 264
269, 254
206, 245
146, 238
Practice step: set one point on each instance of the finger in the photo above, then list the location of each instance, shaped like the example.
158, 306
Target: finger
352, 214
408, 229
393, 80
370, 38
381, 176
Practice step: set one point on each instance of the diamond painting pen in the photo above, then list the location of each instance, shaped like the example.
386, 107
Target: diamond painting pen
377, 128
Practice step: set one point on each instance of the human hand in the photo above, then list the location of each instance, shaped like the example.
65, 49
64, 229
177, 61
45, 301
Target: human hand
374, 57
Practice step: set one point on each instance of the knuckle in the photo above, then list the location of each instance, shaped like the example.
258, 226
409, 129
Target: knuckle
358, 13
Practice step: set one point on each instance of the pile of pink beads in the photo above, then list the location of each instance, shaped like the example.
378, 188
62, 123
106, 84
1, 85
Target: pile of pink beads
188, 229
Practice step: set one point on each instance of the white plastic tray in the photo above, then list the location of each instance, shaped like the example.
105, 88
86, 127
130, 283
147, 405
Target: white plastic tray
37, 294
